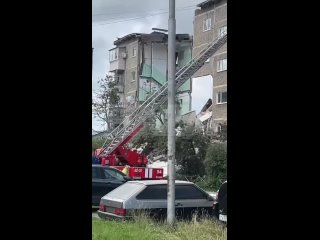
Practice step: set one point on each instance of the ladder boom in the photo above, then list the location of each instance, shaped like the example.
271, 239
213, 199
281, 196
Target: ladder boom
132, 122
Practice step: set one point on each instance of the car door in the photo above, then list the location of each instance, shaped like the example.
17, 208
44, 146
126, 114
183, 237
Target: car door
190, 199
113, 178
98, 186
154, 199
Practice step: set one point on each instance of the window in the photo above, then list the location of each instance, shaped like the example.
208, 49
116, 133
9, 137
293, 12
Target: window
113, 174
207, 24
154, 192
113, 54
222, 31
133, 76
189, 192
95, 172
134, 52
222, 65
221, 97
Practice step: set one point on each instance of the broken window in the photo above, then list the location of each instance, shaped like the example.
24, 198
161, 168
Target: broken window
222, 31
113, 54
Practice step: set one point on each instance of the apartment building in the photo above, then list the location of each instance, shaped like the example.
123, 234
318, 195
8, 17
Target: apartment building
139, 65
210, 22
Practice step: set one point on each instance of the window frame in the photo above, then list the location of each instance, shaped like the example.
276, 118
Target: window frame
134, 52
222, 65
133, 76
219, 97
206, 26
220, 31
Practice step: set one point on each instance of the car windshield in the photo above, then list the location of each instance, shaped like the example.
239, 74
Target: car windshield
112, 173
126, 190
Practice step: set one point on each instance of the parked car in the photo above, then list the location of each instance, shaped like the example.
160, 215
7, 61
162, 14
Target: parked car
151, 196
220, 206
104, 180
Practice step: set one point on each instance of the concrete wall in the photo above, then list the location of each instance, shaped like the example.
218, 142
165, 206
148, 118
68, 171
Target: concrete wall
218, 15
130, 86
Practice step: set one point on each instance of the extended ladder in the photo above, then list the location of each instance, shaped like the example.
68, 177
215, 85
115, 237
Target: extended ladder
159, 97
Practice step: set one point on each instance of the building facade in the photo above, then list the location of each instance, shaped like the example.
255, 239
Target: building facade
210, 22
139, 65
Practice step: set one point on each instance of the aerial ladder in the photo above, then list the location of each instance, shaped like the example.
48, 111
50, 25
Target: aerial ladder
132, 124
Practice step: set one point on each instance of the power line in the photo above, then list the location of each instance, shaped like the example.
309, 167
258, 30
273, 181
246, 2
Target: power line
131, 19
156, 13
124, 12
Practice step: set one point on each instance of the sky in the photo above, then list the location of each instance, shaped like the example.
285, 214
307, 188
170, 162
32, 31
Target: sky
114, 18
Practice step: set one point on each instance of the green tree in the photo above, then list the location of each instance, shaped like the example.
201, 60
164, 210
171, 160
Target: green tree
216, 164
106, 96
97, 143
151, 138
191, 147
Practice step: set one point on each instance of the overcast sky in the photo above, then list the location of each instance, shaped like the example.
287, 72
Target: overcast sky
115, 18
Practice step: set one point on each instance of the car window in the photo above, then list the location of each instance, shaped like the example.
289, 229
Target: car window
154, 192
95, 172
125, 191
113, 174
189, 192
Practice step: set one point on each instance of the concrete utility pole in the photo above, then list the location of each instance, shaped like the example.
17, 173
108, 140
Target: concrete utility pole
171, 112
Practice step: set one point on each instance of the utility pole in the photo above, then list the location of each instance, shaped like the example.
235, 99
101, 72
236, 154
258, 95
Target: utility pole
171, 112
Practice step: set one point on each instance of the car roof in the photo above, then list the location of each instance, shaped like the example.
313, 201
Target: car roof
101, 166
159, 182
104, 166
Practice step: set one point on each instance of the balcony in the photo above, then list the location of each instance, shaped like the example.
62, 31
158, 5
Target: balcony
117, 58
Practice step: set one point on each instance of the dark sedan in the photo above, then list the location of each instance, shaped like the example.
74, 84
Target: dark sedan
104, 180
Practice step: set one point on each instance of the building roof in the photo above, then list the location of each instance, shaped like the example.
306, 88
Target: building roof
179, 36
127, 37
206, 3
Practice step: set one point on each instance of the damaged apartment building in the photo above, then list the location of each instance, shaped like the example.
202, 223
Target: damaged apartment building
139, 65
210, 22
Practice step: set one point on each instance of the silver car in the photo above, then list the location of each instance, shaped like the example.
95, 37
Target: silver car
151, 196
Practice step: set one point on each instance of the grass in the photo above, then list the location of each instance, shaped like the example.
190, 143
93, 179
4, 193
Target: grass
143, 228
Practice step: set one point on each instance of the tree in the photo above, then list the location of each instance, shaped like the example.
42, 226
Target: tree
216, 164
221, 135
191, 147
151, 139
106, 105
97, 143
